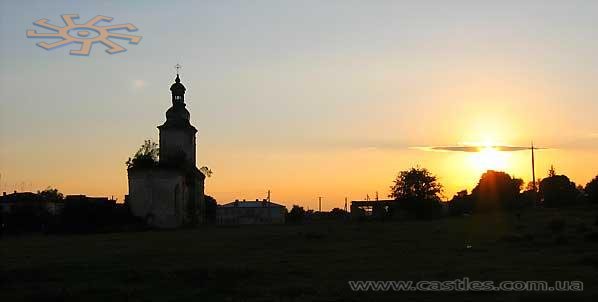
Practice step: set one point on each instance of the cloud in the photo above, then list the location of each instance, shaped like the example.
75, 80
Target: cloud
475, 148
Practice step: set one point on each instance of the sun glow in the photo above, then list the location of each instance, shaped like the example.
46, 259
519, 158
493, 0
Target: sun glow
489, 158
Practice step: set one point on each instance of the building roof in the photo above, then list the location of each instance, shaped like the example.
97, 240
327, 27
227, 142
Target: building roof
366, 203
250, 204
19, 197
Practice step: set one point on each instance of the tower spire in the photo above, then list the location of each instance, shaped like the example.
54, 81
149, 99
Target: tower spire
177, 89
178, 68
177, 135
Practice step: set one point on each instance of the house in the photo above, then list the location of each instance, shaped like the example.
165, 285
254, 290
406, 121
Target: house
10, 202
251, 212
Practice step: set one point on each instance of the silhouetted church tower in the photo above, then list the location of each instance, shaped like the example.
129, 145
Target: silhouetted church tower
177, 135
171, 193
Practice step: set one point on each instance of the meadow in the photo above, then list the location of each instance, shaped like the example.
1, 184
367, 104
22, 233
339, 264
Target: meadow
309, 262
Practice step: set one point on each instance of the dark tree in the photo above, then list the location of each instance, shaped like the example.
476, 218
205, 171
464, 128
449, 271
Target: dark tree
416, 184
296, 215
146, 157
417, 191
337, 213
558, 190
497, 190
591, 190
50, 194
211, 206
461, 203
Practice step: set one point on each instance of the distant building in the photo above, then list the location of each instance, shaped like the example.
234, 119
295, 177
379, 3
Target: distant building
373, 208
170, 194
9, 202
89, 199
251, 212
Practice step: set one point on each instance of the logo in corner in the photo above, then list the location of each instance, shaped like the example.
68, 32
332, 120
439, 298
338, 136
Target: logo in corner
85, 34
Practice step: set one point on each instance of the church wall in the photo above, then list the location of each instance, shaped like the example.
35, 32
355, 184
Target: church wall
152, 196
199, 200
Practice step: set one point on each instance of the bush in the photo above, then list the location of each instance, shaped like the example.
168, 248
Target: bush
557, 191
146, 157
296, 215
497, 190
591, 190
461, 203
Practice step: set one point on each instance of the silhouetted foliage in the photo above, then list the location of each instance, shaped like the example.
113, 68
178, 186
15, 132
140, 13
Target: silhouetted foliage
591, 190
334, 214
206, 171
146, 157
416, 184
418, 192
210, 206
461, 203
338, 213
296, 214
551, 171
558, 190
50, 194
497, 190
528, 198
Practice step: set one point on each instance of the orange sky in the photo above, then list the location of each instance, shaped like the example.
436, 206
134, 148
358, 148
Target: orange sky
305, 99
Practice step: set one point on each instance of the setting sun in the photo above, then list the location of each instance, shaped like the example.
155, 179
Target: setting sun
489, 159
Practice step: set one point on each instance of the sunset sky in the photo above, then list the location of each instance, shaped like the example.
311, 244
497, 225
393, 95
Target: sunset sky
304, 98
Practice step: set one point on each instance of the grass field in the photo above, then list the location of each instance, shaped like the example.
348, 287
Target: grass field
307, 262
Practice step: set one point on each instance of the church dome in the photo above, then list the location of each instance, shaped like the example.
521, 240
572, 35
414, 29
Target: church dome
177, 88
176, 113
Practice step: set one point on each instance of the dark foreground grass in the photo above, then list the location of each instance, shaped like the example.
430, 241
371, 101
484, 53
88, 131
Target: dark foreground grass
307, 262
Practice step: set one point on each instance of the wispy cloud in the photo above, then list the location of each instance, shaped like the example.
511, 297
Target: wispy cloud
474, 148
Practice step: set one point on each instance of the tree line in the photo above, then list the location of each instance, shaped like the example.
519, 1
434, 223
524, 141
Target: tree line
419, 192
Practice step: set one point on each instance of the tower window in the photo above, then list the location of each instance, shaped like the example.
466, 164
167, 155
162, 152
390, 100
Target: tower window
177, 97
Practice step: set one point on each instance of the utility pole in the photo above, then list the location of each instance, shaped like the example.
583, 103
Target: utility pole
533, 169
268, 195
376, 195
320, 204
345, 204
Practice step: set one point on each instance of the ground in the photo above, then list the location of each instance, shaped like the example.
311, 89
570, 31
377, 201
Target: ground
306, 262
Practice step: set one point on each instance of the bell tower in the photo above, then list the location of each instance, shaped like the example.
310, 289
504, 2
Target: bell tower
177, 135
